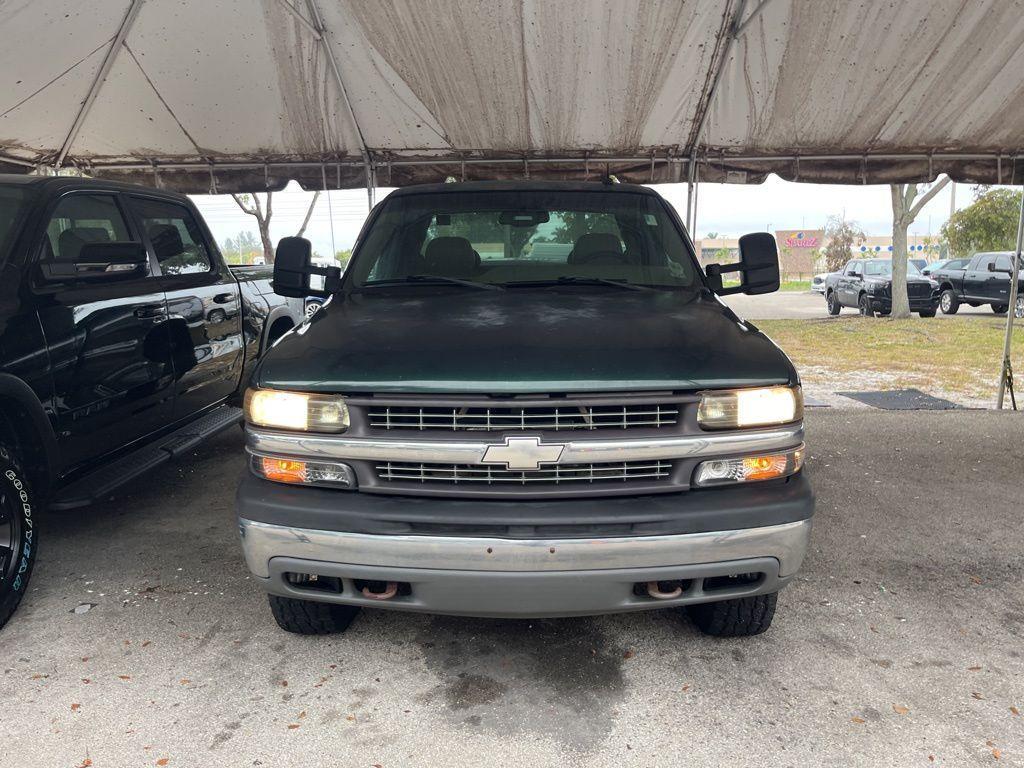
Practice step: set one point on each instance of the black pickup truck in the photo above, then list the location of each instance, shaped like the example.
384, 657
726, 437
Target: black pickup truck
985, 279
468, 428
867, 285
123, 337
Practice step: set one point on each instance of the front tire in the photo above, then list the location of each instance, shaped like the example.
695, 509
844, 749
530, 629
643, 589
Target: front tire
743, 617
927, 313
18, 538
949, 303
832, 303
309, 617
864, 305
1000, 308
1018, 308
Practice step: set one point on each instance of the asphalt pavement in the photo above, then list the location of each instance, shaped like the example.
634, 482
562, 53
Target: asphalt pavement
143, 642
798, 305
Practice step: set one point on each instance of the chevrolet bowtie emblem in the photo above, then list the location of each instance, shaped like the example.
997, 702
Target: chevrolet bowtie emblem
523, 453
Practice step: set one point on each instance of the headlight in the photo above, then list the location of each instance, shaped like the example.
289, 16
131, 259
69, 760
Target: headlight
309, 412
750, 407
749, 468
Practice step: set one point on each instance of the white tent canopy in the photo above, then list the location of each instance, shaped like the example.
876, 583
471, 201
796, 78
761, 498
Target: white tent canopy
243, 95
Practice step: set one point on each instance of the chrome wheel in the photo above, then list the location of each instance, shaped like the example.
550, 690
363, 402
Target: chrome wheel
1018, 308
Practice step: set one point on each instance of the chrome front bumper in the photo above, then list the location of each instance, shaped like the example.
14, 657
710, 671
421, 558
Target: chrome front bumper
524, 577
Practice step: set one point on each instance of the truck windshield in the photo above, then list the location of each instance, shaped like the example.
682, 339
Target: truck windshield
525, 238
883, 267
12, 211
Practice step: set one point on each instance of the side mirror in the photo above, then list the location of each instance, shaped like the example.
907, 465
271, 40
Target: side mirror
292, 267
758, 267
294, 272
100, 261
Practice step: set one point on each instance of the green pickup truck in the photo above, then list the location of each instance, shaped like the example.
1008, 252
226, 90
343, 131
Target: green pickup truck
525, 400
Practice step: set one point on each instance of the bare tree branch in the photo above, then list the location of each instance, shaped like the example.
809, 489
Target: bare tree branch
923, 200
269, 201
245, 208
309, 213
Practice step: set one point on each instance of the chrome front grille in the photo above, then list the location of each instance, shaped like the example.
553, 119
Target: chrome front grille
455, 474
503, 419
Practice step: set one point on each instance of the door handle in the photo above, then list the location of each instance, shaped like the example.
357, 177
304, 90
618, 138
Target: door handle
150, 311
223, 298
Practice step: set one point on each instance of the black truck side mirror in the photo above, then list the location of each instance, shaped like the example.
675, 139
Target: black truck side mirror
293, 268
758, 267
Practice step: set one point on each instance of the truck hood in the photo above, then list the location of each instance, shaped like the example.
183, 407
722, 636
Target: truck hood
523, 341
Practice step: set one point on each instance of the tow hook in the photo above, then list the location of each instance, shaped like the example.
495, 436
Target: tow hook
654, 590
389, 591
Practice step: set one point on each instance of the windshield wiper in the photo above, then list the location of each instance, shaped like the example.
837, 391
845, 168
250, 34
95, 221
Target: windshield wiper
569, 280
435, 279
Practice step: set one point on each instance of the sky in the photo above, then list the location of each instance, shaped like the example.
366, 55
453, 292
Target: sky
729, 210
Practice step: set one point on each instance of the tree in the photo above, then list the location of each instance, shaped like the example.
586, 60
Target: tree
842, 236
987, 224
251, 204
343, 257
904, 211
241, 248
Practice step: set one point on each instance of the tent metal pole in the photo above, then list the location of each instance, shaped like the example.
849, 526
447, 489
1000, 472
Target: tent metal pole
101, 77
300, 18
332, 61
1011, 310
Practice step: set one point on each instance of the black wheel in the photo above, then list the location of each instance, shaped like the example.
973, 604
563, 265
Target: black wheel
217, 316
949, 303
308, 617
1000, 308
832, 302
927, 312
18, 539
742, 617
864, 305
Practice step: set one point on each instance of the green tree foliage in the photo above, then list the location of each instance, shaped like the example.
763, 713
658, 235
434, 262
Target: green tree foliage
242, 248
842, 236
987, 224
343, 257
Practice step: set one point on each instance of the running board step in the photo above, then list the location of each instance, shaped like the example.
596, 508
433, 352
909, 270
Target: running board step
96, 485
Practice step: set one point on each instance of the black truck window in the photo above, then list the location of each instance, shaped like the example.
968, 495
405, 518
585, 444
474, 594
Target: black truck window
81, 219
175, 236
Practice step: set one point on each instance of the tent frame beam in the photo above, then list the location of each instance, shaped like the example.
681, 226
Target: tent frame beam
646, 160
99, 80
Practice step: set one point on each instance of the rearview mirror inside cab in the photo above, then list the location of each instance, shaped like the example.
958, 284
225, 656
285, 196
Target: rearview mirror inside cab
758, 267
100, 261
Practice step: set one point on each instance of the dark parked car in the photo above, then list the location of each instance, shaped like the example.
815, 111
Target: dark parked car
985, 279
466, 428
867, 285
942, 265
123, 335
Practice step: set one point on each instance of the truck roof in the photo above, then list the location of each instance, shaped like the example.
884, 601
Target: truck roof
62, 183
523, 186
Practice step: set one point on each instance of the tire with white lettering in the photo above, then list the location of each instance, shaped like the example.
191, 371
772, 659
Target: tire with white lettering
18, 537
741, 617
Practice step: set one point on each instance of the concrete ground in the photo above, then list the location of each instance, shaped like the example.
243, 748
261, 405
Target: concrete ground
900, 644
796, 305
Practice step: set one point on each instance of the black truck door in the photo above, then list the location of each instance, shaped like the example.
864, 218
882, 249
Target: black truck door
202, 301
999, 280
109, 356
976, 277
